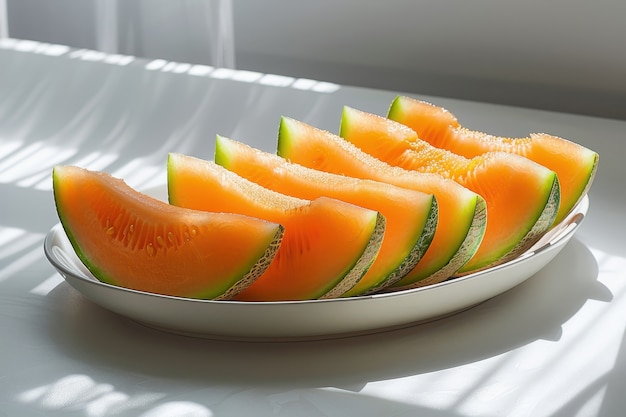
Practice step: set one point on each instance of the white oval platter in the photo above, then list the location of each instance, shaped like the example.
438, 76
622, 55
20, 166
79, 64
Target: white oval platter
315, 319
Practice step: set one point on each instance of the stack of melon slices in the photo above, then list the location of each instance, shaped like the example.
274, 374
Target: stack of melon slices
387, 204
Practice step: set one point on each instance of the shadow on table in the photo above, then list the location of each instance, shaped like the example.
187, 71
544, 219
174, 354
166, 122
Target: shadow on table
534, 310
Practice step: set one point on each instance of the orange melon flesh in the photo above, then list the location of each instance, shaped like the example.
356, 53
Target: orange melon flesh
461, 212
328, 245
574, 164
411, 216
128, 239
522, 196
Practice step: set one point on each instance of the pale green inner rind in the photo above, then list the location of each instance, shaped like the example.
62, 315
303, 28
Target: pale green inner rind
416, 253
171, 169
526, 237
284, 141
357, 270
221, 151
248, 272
592, 169
462, 253
395, 108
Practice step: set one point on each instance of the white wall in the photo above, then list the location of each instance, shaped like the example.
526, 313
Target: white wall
567, 55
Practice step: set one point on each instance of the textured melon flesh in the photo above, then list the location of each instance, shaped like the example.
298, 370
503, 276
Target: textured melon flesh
129, 239
461, 212
411, 216
522, 196
574, 164
328, 245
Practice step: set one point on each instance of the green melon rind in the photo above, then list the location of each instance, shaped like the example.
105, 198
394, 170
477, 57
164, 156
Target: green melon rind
224, 148
250, 272
415, 254
397, 111
592, 169
353, 272
241, 279
287, 139
542, 223
362, 264
468, 247
57, 183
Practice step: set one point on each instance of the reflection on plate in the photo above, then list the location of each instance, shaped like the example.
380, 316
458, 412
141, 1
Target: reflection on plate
315, 319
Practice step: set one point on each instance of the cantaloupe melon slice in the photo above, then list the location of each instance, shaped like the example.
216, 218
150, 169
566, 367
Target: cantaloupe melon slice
574, 164
128, 239
461, 212
327, 247
522, 196
411, 215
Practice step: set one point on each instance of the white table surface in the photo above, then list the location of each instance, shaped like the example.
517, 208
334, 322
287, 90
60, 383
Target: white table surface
553, 346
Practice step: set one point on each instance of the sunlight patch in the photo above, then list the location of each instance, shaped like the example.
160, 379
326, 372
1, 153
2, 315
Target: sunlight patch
178, 408
41, 160
48, 285
24, 261
81, 392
